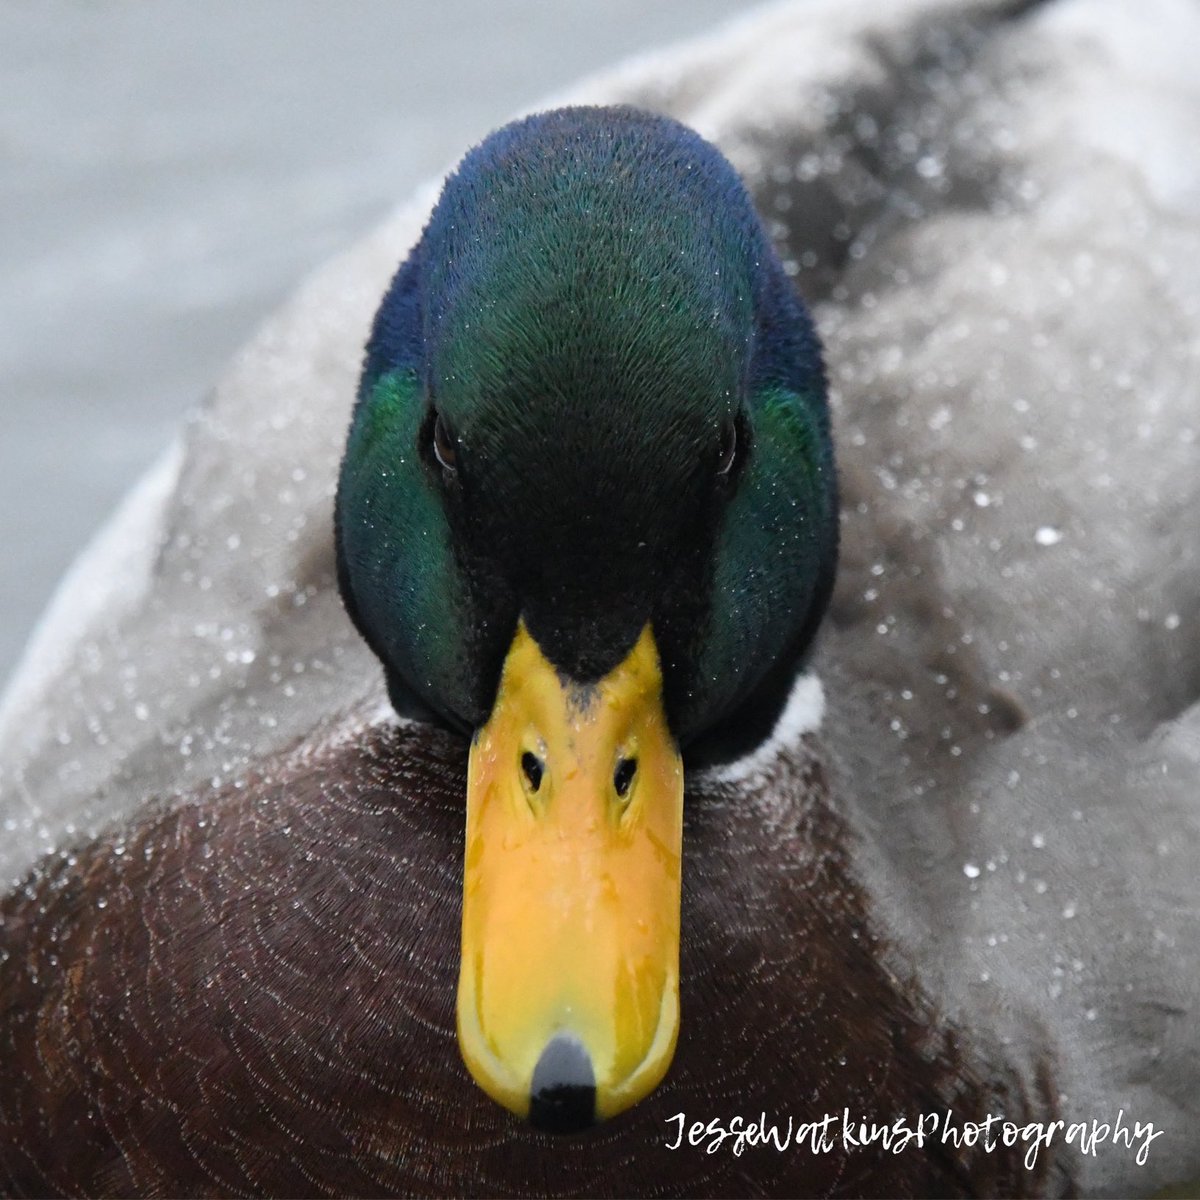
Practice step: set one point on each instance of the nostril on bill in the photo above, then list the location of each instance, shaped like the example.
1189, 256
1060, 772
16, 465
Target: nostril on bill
562, 1096
534, 769
623, 776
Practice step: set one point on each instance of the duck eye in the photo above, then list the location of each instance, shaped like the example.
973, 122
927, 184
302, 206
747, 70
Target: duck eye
728, 452
623, 776
444, 449
532, 766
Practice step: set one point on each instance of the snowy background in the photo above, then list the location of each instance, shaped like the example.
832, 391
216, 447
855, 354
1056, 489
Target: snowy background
168, 172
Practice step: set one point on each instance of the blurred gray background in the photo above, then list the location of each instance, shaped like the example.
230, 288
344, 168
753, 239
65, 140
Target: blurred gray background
170, 169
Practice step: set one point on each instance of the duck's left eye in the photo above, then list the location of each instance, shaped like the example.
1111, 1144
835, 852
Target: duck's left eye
444, 448
731, 444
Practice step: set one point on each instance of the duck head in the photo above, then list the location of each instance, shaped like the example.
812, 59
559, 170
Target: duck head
587, 516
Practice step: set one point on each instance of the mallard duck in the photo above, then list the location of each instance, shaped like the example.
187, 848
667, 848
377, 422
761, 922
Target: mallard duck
587, 514
587, 520
232, 935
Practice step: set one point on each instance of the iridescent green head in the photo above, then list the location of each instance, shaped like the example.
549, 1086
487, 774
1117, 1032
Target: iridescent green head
591, 428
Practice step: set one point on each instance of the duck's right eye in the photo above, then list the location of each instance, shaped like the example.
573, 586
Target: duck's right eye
444, 448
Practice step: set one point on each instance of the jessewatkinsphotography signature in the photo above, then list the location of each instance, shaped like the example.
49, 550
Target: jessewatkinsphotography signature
849, 1132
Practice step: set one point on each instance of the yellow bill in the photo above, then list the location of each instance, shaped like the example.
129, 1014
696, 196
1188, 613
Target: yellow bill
568, 997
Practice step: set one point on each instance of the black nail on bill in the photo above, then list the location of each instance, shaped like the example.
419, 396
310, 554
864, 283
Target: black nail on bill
563, 1092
